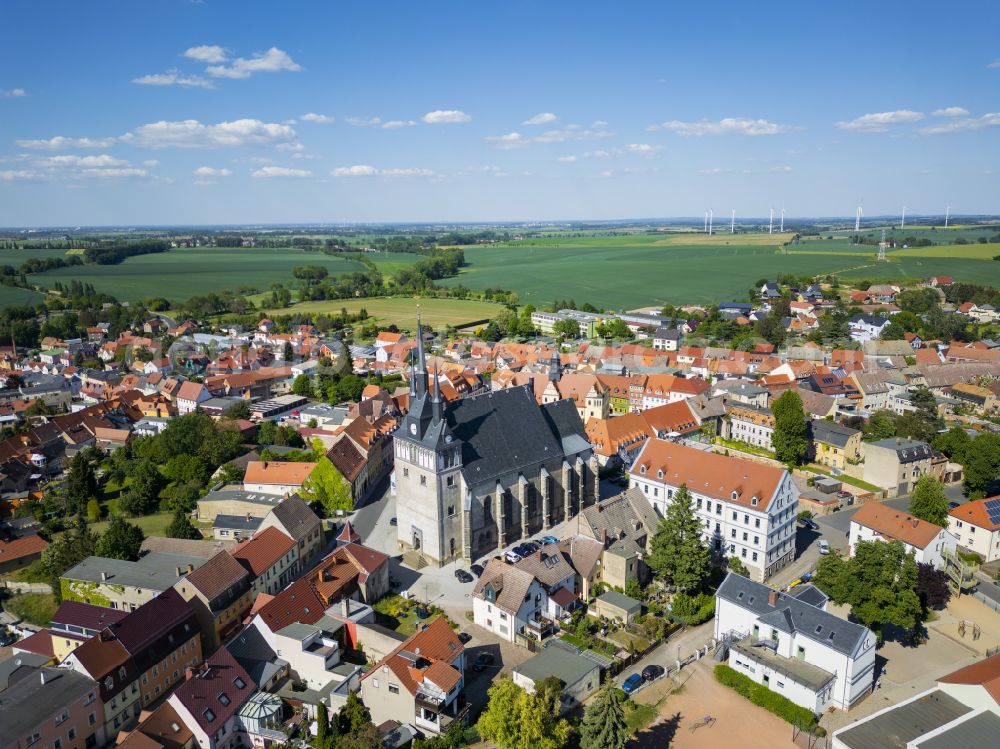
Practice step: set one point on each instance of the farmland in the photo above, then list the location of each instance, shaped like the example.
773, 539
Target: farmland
629, 271
402, 311
179, 274
14, 296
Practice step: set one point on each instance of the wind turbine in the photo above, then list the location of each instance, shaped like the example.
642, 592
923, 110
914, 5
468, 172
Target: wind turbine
710, 217
902, 220
770, 223
947, 214
732, 222
782, 229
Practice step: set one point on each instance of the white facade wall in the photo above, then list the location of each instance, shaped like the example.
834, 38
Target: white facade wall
312, 668
503, 624
931, 554
976, 538
750, 433
652, 401
227, 736
763, 539
276, 489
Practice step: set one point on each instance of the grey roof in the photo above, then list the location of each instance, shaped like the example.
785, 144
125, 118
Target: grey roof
614, 519
154, 571
17, 667
667, 334
295, 517
569, 667
237, 522
253, 653
204, 548
908, 451
33, 702
620, 600
978, 731
831, 433
809, 594
899, 726
227, 494
804, 673
791, 614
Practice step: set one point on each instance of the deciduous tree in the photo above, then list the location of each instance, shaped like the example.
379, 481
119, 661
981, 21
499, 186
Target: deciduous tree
928, 501
326, 487
121, 540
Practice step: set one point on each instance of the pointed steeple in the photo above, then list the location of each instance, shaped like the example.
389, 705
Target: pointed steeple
420, 375
436, 401
555, 369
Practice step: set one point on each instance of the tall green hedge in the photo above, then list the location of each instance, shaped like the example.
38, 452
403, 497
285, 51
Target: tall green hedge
763, 697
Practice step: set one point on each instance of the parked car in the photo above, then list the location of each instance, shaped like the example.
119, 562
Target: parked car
651, 672
393, 521
463, 576
477, 570
464, 637
483, 660
824, 546
530, 546
511, 557
953, 505
632, 683
549, 540
810, 524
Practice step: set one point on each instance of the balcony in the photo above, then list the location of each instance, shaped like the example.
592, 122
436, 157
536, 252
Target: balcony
439, 722
961, 574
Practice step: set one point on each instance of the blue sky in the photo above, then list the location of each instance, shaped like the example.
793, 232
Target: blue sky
171, 111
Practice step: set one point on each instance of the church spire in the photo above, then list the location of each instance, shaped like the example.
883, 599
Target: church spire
436, 400
420, 375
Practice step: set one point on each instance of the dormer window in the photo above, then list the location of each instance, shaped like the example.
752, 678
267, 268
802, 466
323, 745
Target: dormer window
642, 469
753, 501
659, 474
734, 495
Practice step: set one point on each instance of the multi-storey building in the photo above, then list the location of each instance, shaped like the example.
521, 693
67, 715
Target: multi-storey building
51, 708
748, 510
270, 557
750, 424
929, 543
977, 526
481, 472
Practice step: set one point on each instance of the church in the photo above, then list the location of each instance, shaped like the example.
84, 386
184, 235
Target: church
475, 475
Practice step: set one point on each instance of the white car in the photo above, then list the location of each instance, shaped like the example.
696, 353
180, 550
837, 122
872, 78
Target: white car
512, 558
824, 546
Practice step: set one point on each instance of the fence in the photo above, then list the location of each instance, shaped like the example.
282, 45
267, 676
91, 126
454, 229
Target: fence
808, 740
26, 587
995, 605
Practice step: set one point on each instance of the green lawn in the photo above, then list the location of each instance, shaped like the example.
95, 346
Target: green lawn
36, 608
637, 717
179, 274
402, 311
152, 525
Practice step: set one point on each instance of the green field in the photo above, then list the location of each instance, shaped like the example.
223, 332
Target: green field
402, 311
630, 271
15, 296
16, 257
179, 274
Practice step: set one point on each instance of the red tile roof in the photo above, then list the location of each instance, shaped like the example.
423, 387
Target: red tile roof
985, 673
40, 643
429, 654
275, 472
19, 548
896, 525
976, 514
259, 554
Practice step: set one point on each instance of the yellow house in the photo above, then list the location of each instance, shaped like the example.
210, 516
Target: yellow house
834, 445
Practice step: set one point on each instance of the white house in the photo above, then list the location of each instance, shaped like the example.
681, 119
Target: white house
190, 395
977, 527
878, 522
867, 327
792, 645
748, 510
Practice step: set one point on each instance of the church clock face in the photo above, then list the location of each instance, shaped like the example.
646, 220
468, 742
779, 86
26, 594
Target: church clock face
413, 429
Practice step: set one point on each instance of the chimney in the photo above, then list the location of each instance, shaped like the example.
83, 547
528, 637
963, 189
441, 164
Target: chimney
104, 576
190, 568
345, 606
41, 674
188, 673
772, 598
416, 651
178, 571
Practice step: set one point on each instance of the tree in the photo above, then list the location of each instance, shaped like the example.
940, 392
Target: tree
65, 551
327, 488
791, 429
453, 738
93, 510
239, 410
567, 328
514, 719
182, 527
287, 352
353, 715
350, 387
549, 690
604, 725
121, 540
928, 501
302, 385
678, 554
366, 737
982, 464
954, 443
81, 483
327, 733
881, 425
142, 495
736, 566
932, 587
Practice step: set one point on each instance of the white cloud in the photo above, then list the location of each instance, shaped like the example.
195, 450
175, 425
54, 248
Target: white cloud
273, 60
363, 121
961, 124
60, 162
446, 117
725, 126
60, 142
715, 170
643, 148
173, 78
115, 173
13, 93
994, 64
608, 173
194, 134
358, 170
951, 112
780, 168
280, 171
12, 175
567, 159
210, 53
507, 142
151, 162
208, 171
395, 124
319, 119
596, 131
295, 147
879, 122
410, 172
542, 118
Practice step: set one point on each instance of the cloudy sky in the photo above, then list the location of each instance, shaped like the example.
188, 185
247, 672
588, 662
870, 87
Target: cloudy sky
173, 111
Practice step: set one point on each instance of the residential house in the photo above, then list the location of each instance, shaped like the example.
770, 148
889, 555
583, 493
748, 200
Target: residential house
276, 477
208, 702
162, 728
867, 327
124, 585
189, 396
962, 710
580, 676
666, 339
748, 509
792, 645
106, 661
271, 557
74, 623
51, 708
623, 525
976, 525
220, 591
420, 682
834, 445
749, 424
873, 389
295, 519
662, 389
895, 463
980, 400
20, 552
875, 521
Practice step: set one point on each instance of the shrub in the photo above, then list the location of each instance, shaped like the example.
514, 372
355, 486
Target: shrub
763, 697
692, 610
969, 557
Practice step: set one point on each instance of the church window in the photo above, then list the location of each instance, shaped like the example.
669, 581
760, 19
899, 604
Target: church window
423, 481
450, 481
451, 511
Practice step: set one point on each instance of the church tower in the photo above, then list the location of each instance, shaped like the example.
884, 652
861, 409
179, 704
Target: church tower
428, 463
